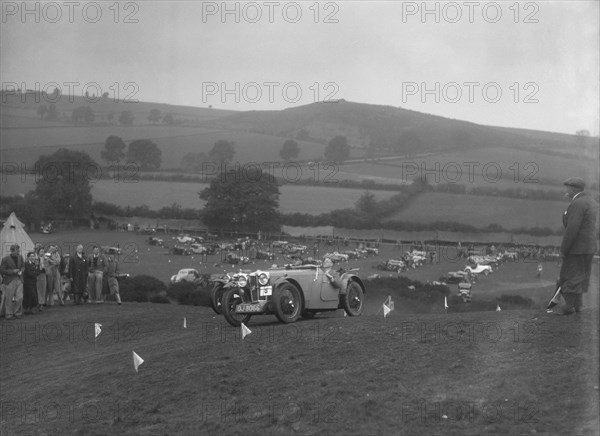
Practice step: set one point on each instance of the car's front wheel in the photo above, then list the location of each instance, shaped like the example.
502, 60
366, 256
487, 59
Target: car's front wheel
231, 299
216, 295
287, 303
354, 300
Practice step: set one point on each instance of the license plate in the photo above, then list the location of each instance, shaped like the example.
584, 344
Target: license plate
244, 308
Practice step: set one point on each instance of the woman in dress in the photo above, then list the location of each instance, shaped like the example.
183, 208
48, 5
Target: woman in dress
30, 294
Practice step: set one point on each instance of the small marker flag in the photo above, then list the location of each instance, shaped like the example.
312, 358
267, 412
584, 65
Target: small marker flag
445, 302
137, 361
184, 323
386, 310
498, 308
245, 331
97, 330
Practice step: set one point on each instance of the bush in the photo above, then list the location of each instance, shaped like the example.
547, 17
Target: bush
515, 302
189, 294
403, 287
141, 288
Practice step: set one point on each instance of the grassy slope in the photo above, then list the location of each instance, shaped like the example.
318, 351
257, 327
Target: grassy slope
330, 375
479, 211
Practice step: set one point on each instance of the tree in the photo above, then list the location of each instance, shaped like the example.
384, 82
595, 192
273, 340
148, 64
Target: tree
145, 153
63, 186
154, 116
193, 161
245, 199
222, 152
52, 114
114, 149
168, 119
338, 149
83, 114
126, 118
289, 150
367, 203
41, 111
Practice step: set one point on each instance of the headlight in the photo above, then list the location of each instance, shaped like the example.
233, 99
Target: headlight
242, 281
263, 279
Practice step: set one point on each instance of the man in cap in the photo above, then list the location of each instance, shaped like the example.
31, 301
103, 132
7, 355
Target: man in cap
578, 245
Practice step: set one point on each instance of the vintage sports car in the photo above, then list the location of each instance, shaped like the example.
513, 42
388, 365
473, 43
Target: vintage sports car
186, 274
480, 269
291, 293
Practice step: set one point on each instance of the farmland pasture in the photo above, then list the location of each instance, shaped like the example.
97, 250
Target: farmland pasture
157, 194
497, 167
480, 211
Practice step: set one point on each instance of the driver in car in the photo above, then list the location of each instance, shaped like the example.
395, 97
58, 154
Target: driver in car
327, 273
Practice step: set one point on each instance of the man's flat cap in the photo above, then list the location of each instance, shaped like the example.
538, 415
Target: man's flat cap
575, 182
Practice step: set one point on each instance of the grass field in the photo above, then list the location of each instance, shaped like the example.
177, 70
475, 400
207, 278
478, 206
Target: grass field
480, 211
293, 198
509, 372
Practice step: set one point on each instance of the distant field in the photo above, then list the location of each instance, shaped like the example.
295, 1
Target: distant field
499, 167
26, 145
480, 211
307, 199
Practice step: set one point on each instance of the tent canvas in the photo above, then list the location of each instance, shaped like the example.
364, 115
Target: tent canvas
14, 233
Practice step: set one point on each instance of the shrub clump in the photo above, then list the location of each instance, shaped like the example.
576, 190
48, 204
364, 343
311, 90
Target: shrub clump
143, 288
189, 293
410, 289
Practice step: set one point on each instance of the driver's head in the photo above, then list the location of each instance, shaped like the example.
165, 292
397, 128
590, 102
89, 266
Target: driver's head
327, 263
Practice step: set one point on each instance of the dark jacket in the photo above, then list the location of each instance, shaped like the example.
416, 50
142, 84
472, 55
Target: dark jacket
579, 221
100, 263
32, 270
7, 267
78, 270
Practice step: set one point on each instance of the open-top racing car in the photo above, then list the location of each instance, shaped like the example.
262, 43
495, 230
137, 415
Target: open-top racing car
291, 293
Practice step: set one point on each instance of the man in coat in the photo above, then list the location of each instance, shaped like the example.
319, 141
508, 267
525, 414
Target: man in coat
96, 269
78, 275
578, 245
11, 268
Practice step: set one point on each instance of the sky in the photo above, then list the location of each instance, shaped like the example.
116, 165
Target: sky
531, 65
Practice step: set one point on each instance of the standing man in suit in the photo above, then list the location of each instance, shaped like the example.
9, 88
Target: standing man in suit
96, 269
11, 268
578, 245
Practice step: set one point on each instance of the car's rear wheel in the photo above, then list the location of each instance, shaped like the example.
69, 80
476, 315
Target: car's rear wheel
216, 295
354, 300
287, 303
231, 298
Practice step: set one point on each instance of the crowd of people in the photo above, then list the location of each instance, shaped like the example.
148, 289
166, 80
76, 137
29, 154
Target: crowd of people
35, 282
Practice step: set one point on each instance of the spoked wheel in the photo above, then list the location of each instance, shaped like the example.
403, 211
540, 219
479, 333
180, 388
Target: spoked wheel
216, 295
287, 303
231, 298
354, 300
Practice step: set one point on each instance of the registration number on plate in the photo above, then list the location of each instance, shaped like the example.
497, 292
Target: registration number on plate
244, 308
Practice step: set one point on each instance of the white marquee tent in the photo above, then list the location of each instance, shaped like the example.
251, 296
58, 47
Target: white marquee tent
14, 233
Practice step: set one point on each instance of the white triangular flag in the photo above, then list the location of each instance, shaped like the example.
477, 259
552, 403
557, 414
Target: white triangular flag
498, 308
97, 330
386, 310
445, 302
184, 323
245, 331
137, 361
345, 314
